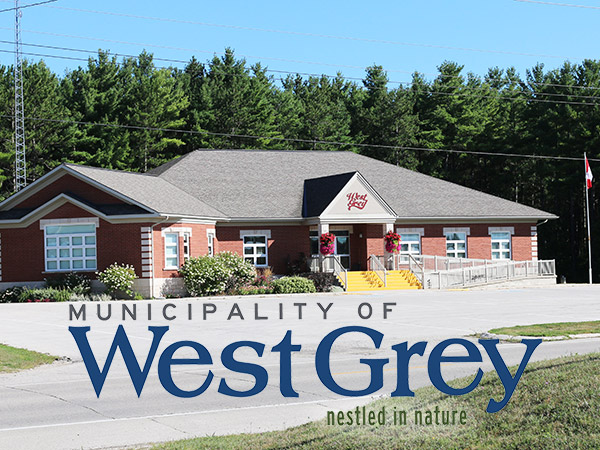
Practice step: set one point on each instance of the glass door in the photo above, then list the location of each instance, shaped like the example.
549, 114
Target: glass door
342, 247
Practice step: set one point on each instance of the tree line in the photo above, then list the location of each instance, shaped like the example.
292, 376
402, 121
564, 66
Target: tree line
120, 114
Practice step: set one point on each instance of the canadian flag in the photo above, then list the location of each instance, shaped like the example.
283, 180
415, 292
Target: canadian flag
588, 174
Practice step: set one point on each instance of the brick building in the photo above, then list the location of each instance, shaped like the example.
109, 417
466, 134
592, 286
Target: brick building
270, 206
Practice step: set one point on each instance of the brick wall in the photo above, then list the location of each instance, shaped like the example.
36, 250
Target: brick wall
69, 184
23, 248
198, 245
479, 243
286, 243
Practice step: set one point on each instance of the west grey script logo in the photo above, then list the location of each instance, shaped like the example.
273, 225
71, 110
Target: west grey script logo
356, 200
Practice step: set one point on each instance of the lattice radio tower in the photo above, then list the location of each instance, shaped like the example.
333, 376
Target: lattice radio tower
20, 166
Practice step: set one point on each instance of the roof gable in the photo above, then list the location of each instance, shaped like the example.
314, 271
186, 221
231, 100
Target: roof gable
320, 192
345, 197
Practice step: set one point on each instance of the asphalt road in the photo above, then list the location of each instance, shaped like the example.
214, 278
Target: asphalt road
56, 405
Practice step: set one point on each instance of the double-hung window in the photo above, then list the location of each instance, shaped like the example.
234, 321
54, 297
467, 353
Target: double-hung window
456, 245
410, 244
70, 247
314, 244
211, 243
255, 250
186, 246
500, 245
171, 251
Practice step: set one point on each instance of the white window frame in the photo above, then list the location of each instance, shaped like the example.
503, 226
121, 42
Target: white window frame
187, 242
254, 256
313, 235
454, 253
404, 254
210, 237
84, 258
167, 267
500, 250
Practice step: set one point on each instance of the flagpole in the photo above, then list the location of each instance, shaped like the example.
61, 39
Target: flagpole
587, 207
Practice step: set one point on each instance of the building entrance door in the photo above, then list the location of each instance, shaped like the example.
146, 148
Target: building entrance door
342, 246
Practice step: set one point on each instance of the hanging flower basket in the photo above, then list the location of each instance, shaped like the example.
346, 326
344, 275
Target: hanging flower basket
327, 241
392, 242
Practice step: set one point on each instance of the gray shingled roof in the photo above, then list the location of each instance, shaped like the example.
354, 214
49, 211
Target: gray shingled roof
269, 184
151, 191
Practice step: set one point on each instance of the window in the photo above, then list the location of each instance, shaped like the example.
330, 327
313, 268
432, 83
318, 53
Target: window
171, 251
70, 247
456, 245
501, 245
255, 250
211, 244
410, 244
314, 243
186, 246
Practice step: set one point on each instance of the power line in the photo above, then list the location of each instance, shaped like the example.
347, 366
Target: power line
558, 4
273, 58
307, 34
28, 6
454, 94
304, 141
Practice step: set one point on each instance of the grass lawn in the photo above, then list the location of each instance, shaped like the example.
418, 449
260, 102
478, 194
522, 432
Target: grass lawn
14, 359
555, 406
550, 329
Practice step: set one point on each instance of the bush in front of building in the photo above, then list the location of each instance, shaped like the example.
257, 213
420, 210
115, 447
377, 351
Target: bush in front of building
11, 295
324, 281
253, 290
77, 283
224, 272
293, 285
118, 278
44, 295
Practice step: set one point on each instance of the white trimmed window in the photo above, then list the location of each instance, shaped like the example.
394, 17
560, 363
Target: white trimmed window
500, 244
70, 247
186, 246
456, 244
410, 244
171, 251
211, 243
255, 250
314, 243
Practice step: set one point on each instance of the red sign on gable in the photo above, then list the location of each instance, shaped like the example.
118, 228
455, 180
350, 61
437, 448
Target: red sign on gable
356, 200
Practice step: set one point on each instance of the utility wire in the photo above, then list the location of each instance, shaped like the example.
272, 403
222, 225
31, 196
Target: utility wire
305, 34
272, 58
304, 141
28, 6
454, 94
558, 4
267, 57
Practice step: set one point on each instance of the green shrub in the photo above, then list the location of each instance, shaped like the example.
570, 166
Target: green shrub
11, 295
44, 295
324, 281
293, 285
118, 278
77, 283
253, 290
224, 272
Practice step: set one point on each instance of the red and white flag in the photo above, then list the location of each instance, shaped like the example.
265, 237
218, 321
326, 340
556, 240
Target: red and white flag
588, 174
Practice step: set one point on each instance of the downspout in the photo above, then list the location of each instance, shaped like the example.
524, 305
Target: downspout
152, 254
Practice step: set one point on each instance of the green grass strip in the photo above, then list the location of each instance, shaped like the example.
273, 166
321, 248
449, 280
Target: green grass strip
555, 406
14, 359
550, 329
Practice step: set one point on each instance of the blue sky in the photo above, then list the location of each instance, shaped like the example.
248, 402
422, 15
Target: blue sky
498, 32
